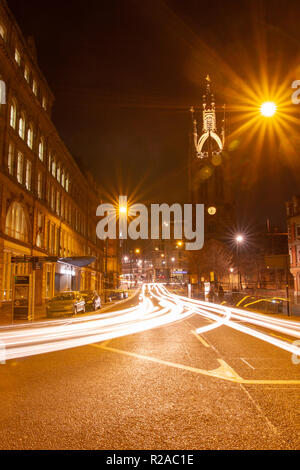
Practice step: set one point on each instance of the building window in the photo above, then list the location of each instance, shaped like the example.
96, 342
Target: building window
28, 175
39, 185
44, 103
58, 203
22, 126
16, 223
34, 87
13, 114
52, 198
30, 136
20, 168
11, 159
58, 173
26, 73
41, 149
17, 56
40, 230
63, 178
53, 167
67, 184
2, 31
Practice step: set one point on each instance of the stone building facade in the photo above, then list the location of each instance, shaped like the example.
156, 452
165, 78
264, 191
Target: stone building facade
48, 203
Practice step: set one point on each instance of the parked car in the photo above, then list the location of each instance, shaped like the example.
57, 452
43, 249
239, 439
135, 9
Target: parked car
125, 294
92, 299
66, 303
115, 295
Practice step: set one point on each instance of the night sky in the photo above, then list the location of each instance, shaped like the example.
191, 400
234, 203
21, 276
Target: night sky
125, 73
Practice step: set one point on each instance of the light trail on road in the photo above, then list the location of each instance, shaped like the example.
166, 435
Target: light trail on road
233, 317
48, 336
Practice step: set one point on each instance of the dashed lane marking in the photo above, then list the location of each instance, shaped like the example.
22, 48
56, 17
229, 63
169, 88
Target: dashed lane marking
202, 340
247, 363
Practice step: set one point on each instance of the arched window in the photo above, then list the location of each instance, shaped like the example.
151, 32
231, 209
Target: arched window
30, 136
16, 224
13, 114
22, 126
41, 149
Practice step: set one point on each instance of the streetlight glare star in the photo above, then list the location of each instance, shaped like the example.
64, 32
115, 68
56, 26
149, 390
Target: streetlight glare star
123, 209
268, 108
239, 238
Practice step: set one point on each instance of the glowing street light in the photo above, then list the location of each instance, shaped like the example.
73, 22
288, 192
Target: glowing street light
123, 209
239, 239
137, 251
268, 109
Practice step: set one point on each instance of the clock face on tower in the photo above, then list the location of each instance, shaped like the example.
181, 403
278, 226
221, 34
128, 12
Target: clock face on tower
212, 210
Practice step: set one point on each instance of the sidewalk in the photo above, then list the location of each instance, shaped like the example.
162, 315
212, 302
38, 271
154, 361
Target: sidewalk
40, 311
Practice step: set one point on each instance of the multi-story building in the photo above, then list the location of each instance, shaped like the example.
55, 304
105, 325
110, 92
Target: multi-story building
48, 203
293, 223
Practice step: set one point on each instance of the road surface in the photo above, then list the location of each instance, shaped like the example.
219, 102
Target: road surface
161, 373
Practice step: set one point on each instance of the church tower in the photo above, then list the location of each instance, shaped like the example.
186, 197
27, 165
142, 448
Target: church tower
209, 169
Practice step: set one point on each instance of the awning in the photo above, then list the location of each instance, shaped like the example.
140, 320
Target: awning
79, 261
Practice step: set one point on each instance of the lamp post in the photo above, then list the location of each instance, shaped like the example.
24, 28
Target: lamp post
239, 240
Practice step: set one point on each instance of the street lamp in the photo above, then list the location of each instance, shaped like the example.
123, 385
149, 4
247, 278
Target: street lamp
268, 109
239, 240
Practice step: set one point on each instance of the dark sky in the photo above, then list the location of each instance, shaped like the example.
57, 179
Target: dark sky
125, 73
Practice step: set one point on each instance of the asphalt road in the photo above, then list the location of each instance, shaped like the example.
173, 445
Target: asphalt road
154, 390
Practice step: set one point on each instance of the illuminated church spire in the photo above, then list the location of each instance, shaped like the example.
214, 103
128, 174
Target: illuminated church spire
209, 140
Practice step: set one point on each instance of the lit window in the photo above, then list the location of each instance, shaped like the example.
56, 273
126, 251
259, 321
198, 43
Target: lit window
28, 175
17, 56
58, 173
40, 226
34, 87
22, 126
11, 159
39, 185
63, 178
58, 203
13, 115
2, 31
20, 168
67, 183
53, 167
52, 198
26, 73
16, 223
44, 103
30, 136
41, 149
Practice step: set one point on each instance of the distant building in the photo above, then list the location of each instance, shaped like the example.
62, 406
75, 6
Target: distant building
293, 223
48, 204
